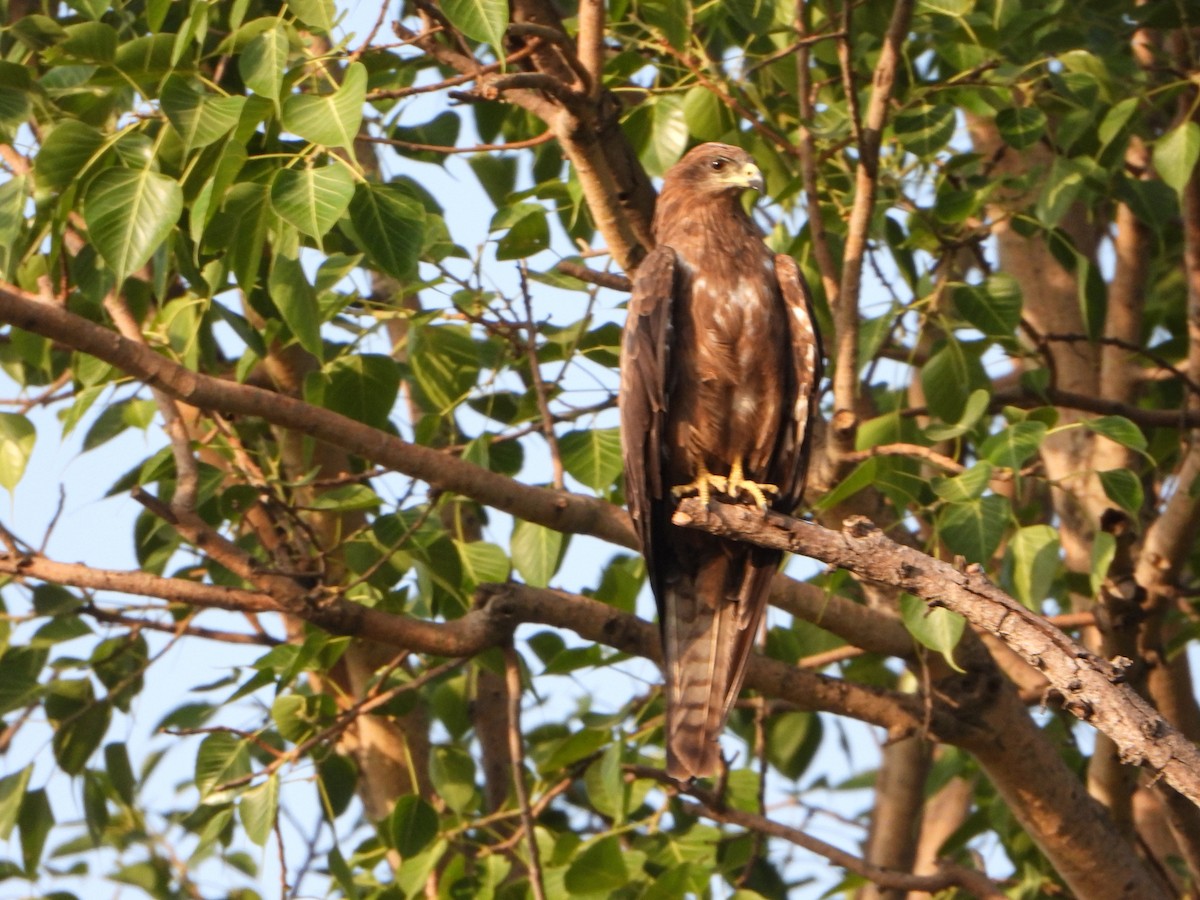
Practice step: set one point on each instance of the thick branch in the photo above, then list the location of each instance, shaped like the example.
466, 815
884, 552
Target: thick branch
1092, 688
560, 510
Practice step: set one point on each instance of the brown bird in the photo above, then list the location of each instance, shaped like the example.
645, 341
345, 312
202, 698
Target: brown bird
719, 376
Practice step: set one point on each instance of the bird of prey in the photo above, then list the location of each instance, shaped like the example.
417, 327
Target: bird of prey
720, 366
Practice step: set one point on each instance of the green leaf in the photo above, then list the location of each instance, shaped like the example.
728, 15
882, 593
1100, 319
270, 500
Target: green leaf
263, 62
592, 456
1062, 186
480, 20
76, 739
668, 134
452, 772
222, 757
17, 438
12, 793
707, 118
242, 226
967, 486
258, 808
15, 108
1119, 429
364, 387
792, 741
993, 307
1115, 120
312, 199
605, 784
974, 529
924, 130
949, 378
95, 805
445, 363
120, 772
333, 119
129, 213
390, 227
1123, 488
483, 563
1035, 563
599, 869
1021, 126
317, 14
954, 8
976, 406
1175, 155
35, 821
297, 303
200, 119
412, 826
536, 551
936, 628
66, 152
1104, 551
1011, 447
526, 236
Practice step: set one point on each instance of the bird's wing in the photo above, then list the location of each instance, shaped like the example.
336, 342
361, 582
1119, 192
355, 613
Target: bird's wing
807, 367
645, 374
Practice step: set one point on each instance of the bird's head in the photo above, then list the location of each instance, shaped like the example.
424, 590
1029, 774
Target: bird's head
716, 168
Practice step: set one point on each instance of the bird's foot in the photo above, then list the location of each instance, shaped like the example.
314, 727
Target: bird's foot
702, 487
733, 485
757, 490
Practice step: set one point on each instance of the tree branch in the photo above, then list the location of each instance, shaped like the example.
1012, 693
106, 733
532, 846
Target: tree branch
866, 184
1092, 688
710, 805
560, 510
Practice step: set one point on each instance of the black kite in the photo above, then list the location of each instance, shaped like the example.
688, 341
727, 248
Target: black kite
719, 376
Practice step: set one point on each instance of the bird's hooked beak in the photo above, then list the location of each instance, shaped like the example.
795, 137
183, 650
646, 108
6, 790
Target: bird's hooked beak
752, 177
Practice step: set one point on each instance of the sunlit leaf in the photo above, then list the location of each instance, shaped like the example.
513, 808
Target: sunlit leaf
390, 225
1176, 153
1035, 563
1123, 488
129, 213
200, 119
312, 199
331, 119
974, 529
536, 551
17, 439
924, 130
258, 809
592, 456
936, 628
480, 20
296, 301
1119, 429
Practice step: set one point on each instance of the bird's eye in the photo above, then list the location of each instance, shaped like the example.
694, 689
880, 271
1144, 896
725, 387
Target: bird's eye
717, 164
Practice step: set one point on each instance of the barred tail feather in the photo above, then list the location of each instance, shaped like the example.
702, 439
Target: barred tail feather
711, 623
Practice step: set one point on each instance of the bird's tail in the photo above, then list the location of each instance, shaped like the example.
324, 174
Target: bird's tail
711, 624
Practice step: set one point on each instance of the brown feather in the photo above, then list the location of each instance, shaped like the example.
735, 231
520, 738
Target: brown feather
721, 361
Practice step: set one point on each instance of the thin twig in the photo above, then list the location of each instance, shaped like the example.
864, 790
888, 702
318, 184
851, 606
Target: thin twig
187, 471
808, 163
539, 384
866, 184
516, 752
544, 138
611, 280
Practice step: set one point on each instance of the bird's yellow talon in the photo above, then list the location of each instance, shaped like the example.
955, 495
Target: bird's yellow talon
731, 486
